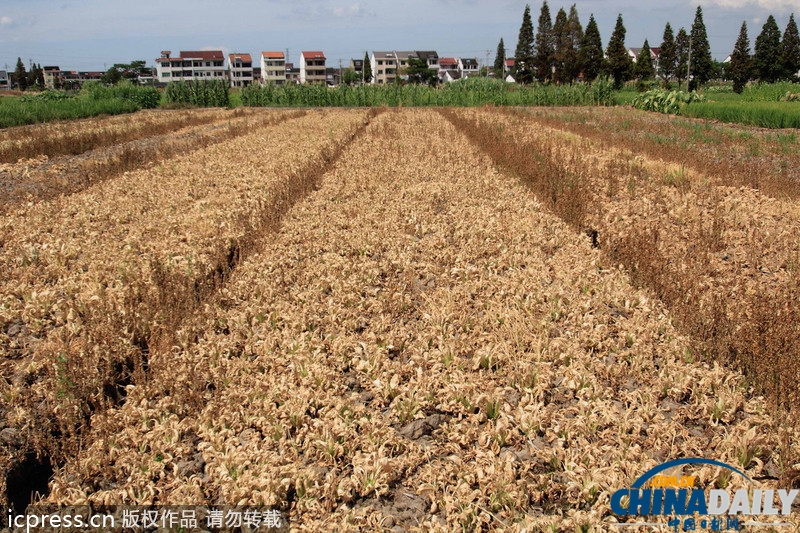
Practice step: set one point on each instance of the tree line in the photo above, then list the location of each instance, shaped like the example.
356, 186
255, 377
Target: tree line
561, 51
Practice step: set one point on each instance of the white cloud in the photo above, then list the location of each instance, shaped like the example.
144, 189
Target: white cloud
355, 10
6, 21
762, 4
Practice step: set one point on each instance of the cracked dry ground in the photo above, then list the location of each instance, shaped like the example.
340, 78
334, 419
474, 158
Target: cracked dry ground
421, 346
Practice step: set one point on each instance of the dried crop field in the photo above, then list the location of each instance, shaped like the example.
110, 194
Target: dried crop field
396, 320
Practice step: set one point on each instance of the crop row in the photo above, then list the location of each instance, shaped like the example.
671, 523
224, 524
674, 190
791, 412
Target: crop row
726, 260
764, 160
421, 346
71, 138
97, 278
45, 177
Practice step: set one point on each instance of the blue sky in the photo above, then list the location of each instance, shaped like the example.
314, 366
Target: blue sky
94, 34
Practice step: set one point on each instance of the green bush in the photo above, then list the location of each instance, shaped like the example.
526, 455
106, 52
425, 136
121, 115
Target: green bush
662, 101
143, 96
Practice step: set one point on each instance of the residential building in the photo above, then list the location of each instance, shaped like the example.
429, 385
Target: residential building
312, 67
387, 65
5, 83
202, 65
273, 68
402, 62
384, 67
357, 65
52, 77
448, 69
292, 73
430, 57
240, 70
468, 67
508, 70
333, 76
633, 53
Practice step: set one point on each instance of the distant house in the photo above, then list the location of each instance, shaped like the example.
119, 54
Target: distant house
388, 65
240, 70
333, 76
357, 66
448, 69
633, 53
292, 73
200, 65
273, 68
52, 77
468, 66
508, 70
384, 67
312, 67
5, 83
431, 58
402, 62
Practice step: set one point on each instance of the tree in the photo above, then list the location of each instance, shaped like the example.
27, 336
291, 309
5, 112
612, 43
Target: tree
644, 63
666, 58
572, 65
741, 66
112, 76
367, 70
350, 76
590, 54
790, 50
545, 48
36, 77
419, 73
681, 55
767, 59
20, 75
701, 63
619, 62
500, 60
563, 43
523, 56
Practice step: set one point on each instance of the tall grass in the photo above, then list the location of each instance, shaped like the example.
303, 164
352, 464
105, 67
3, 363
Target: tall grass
19, 111
469, 92
764, 114
769, 92
95, 99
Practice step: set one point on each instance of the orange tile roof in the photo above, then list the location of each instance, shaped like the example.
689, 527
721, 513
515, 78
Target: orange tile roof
313, 55
272, 55
240, 57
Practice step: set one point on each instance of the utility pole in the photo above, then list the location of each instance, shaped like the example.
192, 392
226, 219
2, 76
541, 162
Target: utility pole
486, 65
689, 65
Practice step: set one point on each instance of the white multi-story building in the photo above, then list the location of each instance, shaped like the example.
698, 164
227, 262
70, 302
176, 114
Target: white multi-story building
384, 67
240, 69
202, 65
468, 67
312, 67
4, 81
273, 68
